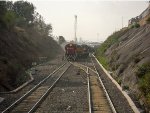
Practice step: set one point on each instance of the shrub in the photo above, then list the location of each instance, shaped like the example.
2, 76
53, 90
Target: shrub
132, 26
103, 61
136, 60
148, 98
144, 84
112, 39
137, 25
144, 81
9, 19
144, 69
119, 81
148, 20
126, 87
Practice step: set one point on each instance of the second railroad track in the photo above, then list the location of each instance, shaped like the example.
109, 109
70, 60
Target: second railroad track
30, 101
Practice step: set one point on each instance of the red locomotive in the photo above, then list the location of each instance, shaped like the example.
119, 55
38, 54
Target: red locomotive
70, 51
75, 51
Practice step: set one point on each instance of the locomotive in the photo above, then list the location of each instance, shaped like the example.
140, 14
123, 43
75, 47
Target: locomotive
70, 51
76, 51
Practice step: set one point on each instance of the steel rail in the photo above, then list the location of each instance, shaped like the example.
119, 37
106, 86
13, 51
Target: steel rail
106, 93
89, 91
30, 91
47, 92
79, 65
130, 101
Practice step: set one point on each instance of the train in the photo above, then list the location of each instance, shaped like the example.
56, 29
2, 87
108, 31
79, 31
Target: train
76, 51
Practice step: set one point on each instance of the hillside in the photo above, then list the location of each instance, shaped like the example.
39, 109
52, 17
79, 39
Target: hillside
127, 54
24, 38
19, 49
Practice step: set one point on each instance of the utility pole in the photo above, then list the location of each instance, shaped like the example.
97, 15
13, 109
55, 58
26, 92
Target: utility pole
75, 29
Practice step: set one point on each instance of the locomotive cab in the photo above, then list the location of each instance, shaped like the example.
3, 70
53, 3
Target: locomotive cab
70, 52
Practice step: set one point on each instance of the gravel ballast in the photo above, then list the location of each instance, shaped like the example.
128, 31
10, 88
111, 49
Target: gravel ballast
119, 101
69, 95
40, 72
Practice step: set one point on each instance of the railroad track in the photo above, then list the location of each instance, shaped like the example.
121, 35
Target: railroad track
98, 98
30, 101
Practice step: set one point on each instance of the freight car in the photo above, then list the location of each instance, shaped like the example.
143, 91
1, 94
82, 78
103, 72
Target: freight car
76, 51
85, 50
79, 51
82, 51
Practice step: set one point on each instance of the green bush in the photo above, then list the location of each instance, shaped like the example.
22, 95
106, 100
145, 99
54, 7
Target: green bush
136, 25
103, 61
144, 84
132, 26
148, 98
112, 39
126, 87
143, 70
148, 20
136, 60
144, 80
119, 81
9, 19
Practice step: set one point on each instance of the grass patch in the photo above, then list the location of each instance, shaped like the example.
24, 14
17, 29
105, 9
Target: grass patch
143, 70
126, 87
148, 20
118, 80
103, 61
136, 25
144, 80
112, 39
144, 83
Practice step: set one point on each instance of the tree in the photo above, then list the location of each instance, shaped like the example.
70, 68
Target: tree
25, 11
41, 26
9, 19
48, 29
61, 39
22, 14
3, 10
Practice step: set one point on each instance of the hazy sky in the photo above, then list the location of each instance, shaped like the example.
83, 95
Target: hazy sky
96, 19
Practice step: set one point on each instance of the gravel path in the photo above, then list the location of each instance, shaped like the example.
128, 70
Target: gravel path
40, 72
69, 95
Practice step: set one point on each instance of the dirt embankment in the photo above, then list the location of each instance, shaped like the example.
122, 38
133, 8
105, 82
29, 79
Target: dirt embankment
130, 52
18, 49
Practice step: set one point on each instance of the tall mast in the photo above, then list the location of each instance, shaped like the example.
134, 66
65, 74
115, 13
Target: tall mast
75, 29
